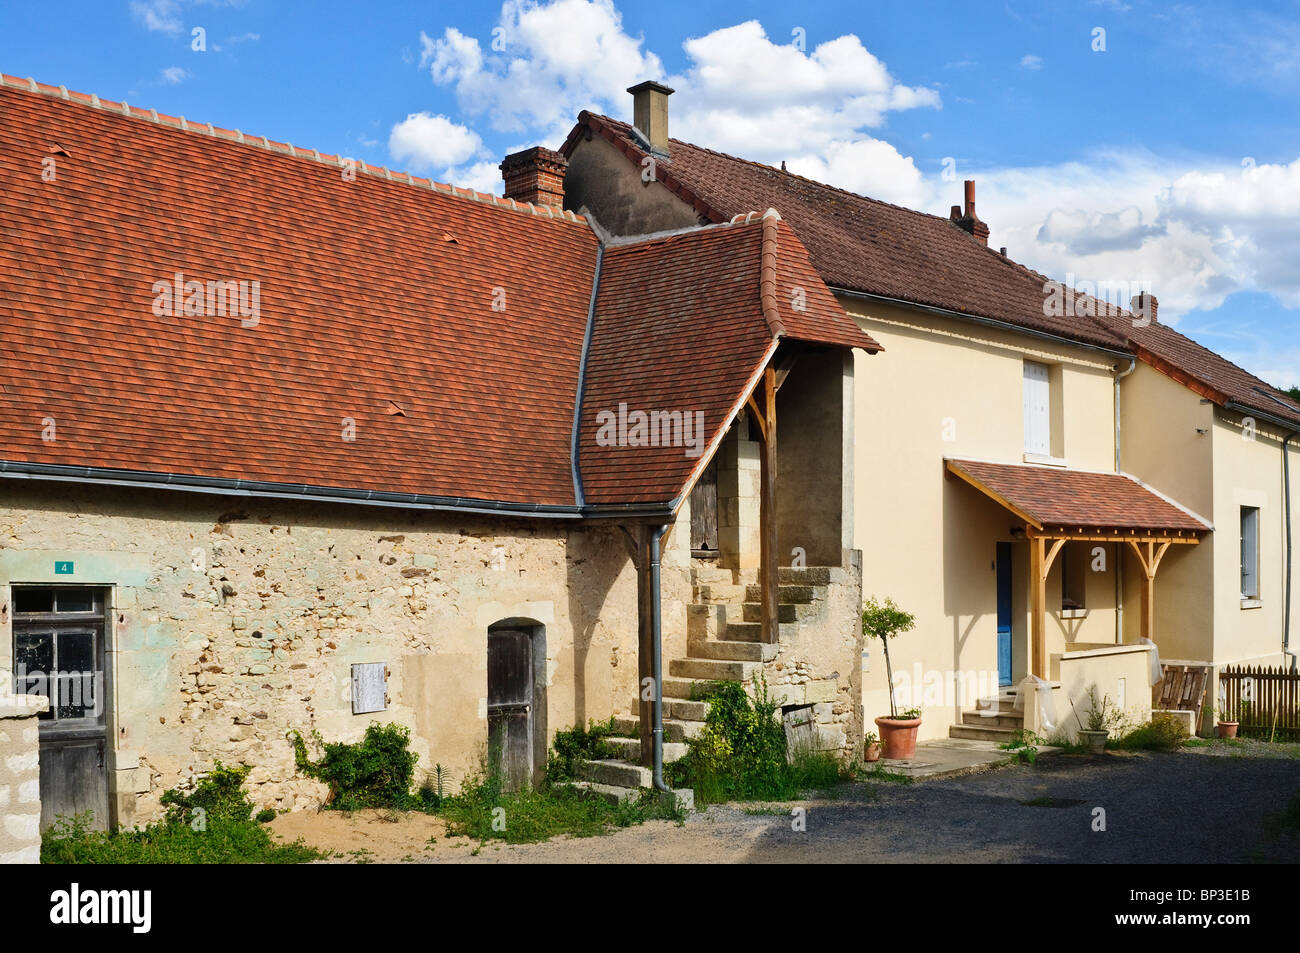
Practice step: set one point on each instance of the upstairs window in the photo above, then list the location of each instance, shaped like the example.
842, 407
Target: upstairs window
1249, 552
1038, 409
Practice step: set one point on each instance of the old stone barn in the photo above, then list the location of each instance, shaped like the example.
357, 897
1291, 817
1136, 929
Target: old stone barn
291, 443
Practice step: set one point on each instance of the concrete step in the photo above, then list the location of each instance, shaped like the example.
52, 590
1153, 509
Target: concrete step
1003, 719
978, 733
615, 794
629, 749
713, 669
684, 689
784, 593
1001, 703
629, 726
615, 772
753, 631
732, 650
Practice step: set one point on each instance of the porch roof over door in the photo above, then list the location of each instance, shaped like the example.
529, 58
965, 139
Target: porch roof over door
1080, 504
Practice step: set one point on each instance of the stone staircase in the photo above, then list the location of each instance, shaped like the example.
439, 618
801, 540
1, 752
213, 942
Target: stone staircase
995, 719
723, 632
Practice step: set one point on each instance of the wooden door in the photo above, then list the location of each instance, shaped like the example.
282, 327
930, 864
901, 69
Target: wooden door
704, 511
510, 706
59, 653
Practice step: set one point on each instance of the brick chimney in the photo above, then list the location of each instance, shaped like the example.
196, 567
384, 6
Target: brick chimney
535, 175
650, 113
1144, 305
966, 219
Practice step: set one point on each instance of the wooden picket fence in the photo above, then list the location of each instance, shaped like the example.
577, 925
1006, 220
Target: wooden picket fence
1264, 699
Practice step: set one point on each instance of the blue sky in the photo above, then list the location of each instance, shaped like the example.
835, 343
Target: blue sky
1169, 159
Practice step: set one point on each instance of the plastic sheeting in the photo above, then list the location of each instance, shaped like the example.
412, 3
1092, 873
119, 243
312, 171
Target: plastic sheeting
1157, 672
1042, 694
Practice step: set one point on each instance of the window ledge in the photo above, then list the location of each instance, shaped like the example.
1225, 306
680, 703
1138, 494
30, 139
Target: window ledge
1074, 613
1252, 603
1045, 460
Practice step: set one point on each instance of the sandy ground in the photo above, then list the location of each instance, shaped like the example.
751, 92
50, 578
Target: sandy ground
1158, 808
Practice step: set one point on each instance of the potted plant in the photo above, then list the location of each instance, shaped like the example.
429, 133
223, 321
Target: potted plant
885, 621
1102, 717
870, 747
1227, 723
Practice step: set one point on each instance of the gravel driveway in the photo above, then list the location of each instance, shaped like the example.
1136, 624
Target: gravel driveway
1159, 808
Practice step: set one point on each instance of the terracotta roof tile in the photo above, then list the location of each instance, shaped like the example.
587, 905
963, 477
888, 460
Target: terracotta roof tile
1077, 499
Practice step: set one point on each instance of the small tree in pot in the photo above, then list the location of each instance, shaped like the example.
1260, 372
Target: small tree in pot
885, 621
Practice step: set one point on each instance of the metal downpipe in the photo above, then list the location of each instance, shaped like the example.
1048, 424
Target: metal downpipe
1286, 496
656, 626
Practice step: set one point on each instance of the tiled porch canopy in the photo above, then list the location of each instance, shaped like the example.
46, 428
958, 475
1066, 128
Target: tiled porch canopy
1058, 505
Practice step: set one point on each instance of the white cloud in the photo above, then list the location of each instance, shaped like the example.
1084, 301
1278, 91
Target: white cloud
162, 16
869, 167
174, 74
1031, 62
426, 141
544, 63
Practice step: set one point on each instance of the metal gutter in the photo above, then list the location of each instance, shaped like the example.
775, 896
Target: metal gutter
977, 319
140, 479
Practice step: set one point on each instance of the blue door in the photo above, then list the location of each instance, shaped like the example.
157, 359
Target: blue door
1004, 613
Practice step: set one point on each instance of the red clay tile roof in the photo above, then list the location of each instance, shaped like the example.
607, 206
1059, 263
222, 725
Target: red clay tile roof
466, 313
705, 360
1076, 499
1213, 377
858, 243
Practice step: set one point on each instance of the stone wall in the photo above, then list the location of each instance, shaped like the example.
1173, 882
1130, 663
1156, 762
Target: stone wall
20, 777
234, 621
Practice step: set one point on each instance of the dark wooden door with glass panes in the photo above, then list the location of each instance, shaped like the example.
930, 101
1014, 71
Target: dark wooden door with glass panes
59, 653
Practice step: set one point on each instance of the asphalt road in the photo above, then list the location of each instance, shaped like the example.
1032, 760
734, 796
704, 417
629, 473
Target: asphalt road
1183, 808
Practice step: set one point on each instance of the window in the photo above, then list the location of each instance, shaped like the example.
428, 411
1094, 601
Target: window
59, 652
1249, 552
1074, 579
1038, 409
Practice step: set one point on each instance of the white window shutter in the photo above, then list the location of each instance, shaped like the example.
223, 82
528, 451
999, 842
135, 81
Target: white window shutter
1038, 409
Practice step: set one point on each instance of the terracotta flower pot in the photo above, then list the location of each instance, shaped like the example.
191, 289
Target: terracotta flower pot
1228, 729
871, 752
1095, 741
898, 737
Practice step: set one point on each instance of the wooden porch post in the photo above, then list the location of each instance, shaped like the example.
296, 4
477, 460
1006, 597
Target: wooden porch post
770, 576
1150, 562
1040, 566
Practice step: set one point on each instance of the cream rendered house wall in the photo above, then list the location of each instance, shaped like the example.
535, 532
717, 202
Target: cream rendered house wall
1248, 472
949, 388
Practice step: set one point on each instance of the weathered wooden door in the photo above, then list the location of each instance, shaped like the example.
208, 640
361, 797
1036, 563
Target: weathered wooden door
704, 511
510, 706
59, 653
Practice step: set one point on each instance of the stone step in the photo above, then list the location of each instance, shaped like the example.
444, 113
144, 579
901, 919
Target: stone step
732, 650
753, 631
713, 669
786, 611
614, 772
684, 690
811, 575
629, 749
1001, 703
978, 733
687, 712
675, 729
714, 593
784, 593
615, 794
985, 718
